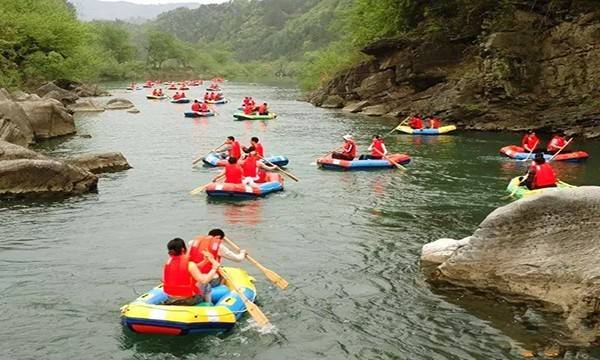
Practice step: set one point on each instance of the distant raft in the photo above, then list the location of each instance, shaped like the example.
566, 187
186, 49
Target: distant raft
154, 97
195, 114
180, 101
213, 89
330, 163
519, 153
217, 102
146, 315
274, 183
522, 190
242, 116
215, 159
439, 131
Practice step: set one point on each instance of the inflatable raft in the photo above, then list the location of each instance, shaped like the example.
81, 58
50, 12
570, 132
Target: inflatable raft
439, 131
274, 183
222, 101
335, 164
146, 314
519, 153
181, 101
521, 191
213, 89
184, 88
194, 114
242, 116
215, 159
154, 97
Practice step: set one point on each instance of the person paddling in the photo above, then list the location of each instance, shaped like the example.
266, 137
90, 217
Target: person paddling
348, 150
255, 144
434, 123
377, 148
263, 109
204, 107
540, 174
233, 147
415, 122
182, 280
213, 244
254, 169
557, 143
177, 95
160, 92
234, 174
530, 141
196, 106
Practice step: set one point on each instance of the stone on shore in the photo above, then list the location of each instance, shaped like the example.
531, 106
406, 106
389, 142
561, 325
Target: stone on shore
356, 106
542, 250
100, 163
333, 102
51, 91
48, 118
14, 124
118, 104
85, 105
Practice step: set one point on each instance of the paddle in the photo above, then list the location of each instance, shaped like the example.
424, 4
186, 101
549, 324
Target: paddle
253, 309
531, 152
291, 176
202, 156
200, 189
270, 274
390, 160
561, 149
521, 180
402, 123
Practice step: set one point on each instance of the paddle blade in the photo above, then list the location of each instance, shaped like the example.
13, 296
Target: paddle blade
257, 314
275, 278
198, 190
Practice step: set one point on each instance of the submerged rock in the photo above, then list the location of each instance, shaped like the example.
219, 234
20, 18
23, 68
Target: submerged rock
100, 163
118, 104
85, 106
542, 250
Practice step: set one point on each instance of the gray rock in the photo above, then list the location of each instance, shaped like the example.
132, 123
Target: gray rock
10, 151
118, 104
85, 106
376, 84
51, 91
48, 118
133, 111
100, 163
544, 250
375, 110
14, 124
333, 102
356, 106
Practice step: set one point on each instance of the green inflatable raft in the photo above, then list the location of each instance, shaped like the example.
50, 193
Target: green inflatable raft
242, 116
520, 191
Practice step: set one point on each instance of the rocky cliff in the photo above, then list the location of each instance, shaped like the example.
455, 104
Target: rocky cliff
535, 64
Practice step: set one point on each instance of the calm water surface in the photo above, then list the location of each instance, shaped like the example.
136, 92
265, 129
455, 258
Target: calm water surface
348, 243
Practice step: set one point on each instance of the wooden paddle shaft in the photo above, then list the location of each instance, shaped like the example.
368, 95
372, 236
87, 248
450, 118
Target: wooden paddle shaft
561, 149
280, 169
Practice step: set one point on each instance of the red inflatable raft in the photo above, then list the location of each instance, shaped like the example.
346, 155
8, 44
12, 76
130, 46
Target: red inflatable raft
273, 183
519, 153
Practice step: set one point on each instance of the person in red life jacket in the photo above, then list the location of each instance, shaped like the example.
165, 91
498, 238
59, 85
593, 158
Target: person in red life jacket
556, 143
263, 109
246, 101
181, 278
204, 107
196, 106
183, 96
415, 122
348, 150
177, 96
255, 144
434, 123
234, 174
248, 109
155, 92
206, 96
160, 92
540, 174
213, 244
252, 167
530, 141
233, 147
377, 148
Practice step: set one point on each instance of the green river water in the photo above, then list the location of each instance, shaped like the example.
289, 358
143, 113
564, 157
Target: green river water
348, 242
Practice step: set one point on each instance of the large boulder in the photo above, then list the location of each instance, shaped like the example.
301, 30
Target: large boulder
82, 90
51, 91
25, 173
542, 250
14, 124
85, 106
118, 104
333, 102
100, 163
48, 118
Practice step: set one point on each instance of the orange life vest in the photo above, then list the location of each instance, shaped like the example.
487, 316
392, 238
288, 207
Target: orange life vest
350, 148
377, 148
199, 246
544, 176
249, 166
177, 280
203, 107
196, 107
236, 150
233, 174
530, 142
262, 109
416, 123
556, 144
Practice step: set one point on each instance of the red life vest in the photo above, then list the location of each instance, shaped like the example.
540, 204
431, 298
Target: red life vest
435, 123
350, 148
416, 123
249, 166
176, 96
530, 142
556, 144
262, 109
203, 107
201, 244
262, 176
196, 107
377, 148
233, 174
177, 280
544, 176
259, 149
155, 92
182, 95
248, 109
212, 96
236, 150
206, 96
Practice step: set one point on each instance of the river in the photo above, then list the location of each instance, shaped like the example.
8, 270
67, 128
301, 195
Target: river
348, 242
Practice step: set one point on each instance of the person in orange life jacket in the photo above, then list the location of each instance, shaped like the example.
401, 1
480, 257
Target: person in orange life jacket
376, 148
155, 92
160, 92
254, 169
181, 277
213, 244
246, 101
196, 106
204, 107
433, 123
348, 151
256, 145
233, 148
530, 141
540, 174
183, 95
234, 174
177, 96
415, 122
206, 96
557, 143
248, 109
212, 96
263, 110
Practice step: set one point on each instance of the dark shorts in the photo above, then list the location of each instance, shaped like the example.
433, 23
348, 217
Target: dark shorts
341, 156
191, 301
